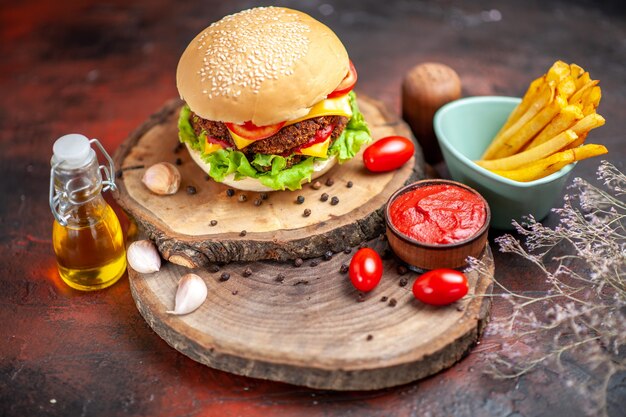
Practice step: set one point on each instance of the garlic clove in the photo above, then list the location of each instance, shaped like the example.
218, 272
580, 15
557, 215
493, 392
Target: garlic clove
162, 178
190, 295
143, 257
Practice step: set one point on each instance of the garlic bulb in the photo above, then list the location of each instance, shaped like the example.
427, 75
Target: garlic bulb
162, 178
143, 257
190, 294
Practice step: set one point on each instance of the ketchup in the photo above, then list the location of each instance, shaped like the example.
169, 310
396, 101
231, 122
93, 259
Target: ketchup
438, 214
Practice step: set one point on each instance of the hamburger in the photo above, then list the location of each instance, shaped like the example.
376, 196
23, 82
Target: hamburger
268, 100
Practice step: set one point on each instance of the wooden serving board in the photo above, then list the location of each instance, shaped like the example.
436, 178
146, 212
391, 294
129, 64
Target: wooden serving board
313, 328
277, 229
304, 325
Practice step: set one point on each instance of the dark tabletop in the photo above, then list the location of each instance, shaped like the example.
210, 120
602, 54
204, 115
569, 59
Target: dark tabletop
101, 68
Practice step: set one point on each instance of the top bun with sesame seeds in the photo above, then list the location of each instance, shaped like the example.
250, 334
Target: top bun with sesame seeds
264, 65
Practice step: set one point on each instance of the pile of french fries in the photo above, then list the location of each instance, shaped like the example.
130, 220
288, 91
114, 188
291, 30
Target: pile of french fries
547, 130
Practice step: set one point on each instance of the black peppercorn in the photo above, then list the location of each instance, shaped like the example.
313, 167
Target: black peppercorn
315, 262
264, 196
258, 202
401, 270
328, 255
403, 282
242, 198
344, 268
298, 262
307, 212
324, 197
179, 161
347, 251
247, 272
213, 222
349, 184
300, 199
334, 201
330, 182
214, 268
225, 276
243, 233
191, 190
230, 192
280, 278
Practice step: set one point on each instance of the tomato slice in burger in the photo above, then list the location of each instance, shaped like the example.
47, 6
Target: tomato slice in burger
250, 131
347, 84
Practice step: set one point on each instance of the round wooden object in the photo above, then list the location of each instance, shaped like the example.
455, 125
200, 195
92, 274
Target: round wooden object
183, 225
312, 328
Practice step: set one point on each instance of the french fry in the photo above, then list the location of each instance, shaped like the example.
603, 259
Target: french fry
553, 163
533, 89
587, 123
588, 151
583, 79
529, 156
538, 169
576, 70
545, 96
530, 129
582, 93
592, 100
558, 71
563, 121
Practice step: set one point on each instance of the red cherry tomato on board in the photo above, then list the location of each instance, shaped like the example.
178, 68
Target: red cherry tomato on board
347, 84
366, 268
388, 153
440, 287
250, 131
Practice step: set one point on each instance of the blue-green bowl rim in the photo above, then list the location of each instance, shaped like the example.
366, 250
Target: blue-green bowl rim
485, 172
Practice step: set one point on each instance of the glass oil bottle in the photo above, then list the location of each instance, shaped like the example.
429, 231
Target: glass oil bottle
86, 234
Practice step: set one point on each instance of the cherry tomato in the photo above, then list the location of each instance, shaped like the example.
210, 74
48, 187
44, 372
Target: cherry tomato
388, 153
347, 84
440, 286
365, 270
250, 131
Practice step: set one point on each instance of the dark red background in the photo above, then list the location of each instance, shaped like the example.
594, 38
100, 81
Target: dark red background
101, 68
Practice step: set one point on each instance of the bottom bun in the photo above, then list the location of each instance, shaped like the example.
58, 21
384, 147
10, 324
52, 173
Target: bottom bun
320, 167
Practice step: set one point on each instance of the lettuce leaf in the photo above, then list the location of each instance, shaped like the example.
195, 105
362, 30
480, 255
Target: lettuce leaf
231, 161
355, 135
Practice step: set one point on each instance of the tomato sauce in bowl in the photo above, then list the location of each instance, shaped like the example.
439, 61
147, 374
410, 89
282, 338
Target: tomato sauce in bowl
438, 213
437, 223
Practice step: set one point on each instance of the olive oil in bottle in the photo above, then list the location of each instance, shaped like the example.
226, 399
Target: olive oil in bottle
86, 234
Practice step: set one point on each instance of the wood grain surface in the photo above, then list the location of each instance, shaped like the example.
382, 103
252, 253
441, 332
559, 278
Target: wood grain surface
308, 326
181, 224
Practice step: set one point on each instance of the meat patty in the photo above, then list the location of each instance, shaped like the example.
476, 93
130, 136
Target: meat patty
284, 142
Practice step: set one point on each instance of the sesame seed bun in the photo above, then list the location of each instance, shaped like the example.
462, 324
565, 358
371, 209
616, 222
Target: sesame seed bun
252, 184
266, 65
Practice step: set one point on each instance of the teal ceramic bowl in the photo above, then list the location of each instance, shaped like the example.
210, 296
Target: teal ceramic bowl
464, 129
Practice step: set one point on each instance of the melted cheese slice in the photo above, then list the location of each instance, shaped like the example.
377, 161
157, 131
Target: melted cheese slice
338, 106
209, 147
319, 149
239, 141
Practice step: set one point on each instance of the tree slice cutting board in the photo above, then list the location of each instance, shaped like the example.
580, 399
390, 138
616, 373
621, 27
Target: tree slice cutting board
181, 224
311, 327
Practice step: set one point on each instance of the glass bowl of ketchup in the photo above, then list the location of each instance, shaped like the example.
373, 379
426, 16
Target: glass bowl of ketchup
437, 223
